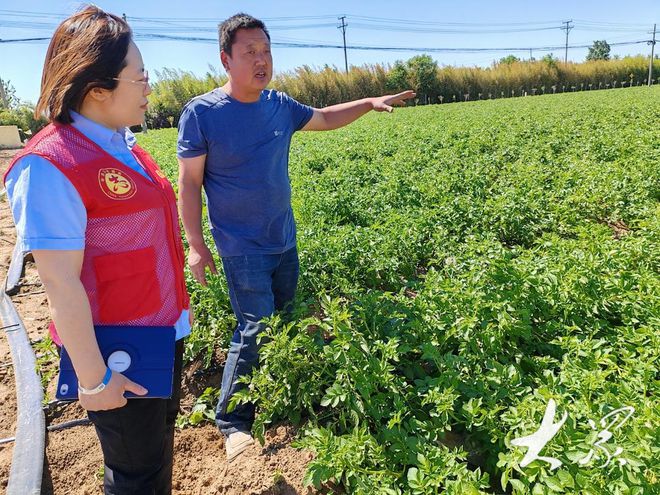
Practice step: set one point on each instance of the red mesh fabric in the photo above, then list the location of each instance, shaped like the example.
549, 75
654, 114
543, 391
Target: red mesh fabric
130, 233
145, 220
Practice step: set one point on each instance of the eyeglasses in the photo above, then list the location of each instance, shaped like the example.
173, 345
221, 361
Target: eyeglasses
144, 82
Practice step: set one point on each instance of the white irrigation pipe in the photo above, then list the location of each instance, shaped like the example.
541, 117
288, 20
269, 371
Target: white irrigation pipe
12, 282
28, 456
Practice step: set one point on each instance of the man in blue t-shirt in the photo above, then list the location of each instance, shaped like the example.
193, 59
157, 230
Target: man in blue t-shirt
234, 141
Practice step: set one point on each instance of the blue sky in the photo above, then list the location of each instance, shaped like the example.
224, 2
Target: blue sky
420, 24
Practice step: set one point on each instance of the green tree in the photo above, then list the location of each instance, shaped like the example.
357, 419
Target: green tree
549, 59
15, 112
8, 99
509, 59
173, 89
423, 76
397, 78
600, 50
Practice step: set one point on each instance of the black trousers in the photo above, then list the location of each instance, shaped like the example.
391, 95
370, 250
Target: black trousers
138, 441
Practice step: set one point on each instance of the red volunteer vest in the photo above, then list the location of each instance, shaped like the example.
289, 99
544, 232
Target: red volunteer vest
133, 264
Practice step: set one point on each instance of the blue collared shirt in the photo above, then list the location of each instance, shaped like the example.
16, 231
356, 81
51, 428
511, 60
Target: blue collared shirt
34, 186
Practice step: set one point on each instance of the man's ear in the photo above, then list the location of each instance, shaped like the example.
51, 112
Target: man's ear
224, 58
98, 94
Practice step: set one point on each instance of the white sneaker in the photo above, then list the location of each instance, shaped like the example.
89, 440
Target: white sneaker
236, 443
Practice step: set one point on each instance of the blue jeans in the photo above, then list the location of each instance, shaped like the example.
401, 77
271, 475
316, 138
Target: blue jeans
258, 286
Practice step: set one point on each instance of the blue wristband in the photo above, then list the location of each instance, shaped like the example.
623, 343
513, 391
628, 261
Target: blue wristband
100, 387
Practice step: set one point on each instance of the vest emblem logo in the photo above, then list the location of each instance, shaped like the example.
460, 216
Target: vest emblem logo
115, 184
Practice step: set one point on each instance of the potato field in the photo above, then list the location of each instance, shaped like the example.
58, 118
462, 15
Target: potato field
466, 270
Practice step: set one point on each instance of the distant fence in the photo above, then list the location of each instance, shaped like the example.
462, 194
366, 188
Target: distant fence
434, 85
531, 91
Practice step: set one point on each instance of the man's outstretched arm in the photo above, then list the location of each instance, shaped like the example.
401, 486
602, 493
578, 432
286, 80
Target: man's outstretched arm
191, 176
336, 116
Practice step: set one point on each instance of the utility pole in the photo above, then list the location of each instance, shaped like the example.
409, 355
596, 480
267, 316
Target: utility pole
652, 43
343, 32
567, 28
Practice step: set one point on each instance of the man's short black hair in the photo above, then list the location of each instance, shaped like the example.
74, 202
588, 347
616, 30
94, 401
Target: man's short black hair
227, 30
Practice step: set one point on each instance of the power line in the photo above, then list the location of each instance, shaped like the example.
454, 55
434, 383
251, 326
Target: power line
474, 50
171, 27
608, 23
25, 13
24, 40
366, 21
276, 44
177, 27
174, 26
437, 30
436, 23
264, 19
28, 25
197, 39
609, 30
61, 15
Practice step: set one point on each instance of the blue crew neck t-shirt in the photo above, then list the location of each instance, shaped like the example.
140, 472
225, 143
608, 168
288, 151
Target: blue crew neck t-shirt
246, 176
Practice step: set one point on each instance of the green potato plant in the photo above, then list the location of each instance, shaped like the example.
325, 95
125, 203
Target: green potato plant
461, 265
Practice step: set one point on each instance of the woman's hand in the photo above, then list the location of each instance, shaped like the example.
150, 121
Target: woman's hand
60, 273
112, 396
